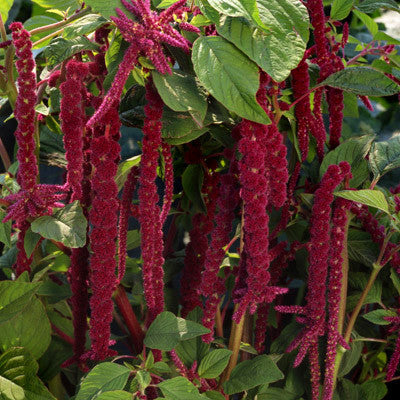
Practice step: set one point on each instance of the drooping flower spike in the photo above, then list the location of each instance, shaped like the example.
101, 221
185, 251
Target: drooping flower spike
314, 314
146, 35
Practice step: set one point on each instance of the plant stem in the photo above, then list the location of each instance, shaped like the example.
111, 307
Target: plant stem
219, 323
343, 297
51, 35
234, 344
4, 156
56, 25
134, 328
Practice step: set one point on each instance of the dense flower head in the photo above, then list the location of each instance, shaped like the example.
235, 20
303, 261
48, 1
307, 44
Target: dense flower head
212, 286
168, 181
149, 211
314, 312
197, 247
395, 359
72, 117
103, 216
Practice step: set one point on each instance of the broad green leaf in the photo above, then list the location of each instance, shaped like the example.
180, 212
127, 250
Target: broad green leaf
23, 320
61, 5
348, 390
340, 9
368, 22
385, 155
102, 378
87, 24
180, 128
60, 49
383, 36
31, 240
5, 7
7, 260
373, 390
275, 393
167, 330
166, 3
251, 373
5, 230
240, 8
208, 11
234, 80
377, 316
143, 378
115, 395
192, 182
276, 53
350, 358
160, 368
124, 168
15, 297
214, 363
214, 395
67, 225
363, 81
284, 16
106, 8
369, 6
18, 380
361, 249
36, 22
372, 198
133, 239
54, 292
394, 276
353, 151
179, 388
181, 92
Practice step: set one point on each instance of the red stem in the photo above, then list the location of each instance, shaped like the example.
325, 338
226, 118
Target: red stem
131, 322
62, 335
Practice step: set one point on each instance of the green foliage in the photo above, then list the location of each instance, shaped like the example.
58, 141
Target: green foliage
5, 230
18, 379
214, 363
103, 377
179, 388
251, 373
167, 330
192, 182
340, 9
377, 316
372, 198
67, 225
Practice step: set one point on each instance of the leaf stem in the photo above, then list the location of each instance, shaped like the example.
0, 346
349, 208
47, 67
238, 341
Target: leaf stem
60, 24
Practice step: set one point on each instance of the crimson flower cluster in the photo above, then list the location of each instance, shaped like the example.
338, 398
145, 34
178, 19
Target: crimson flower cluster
149, 211
103, 219
145, 38
197, 247
314, 315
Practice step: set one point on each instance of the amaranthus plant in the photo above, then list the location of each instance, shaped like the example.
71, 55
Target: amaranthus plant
199, 199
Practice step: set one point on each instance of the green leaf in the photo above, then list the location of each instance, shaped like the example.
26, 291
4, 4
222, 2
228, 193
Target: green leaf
54, 292
214, 363
340, 9
5, 7
133, 239
350, 358
394, 276
373, 390
251, 373
18, 380
67, 225
87, 24
160, 368
385, 155
208, 11
214, 395
166, 4
229, 66
61, 5
353, 151
369, 6
179, 388
5, 230
192, 182
102, 378
181, 92
274, 393
105, 7
279, 50
361, 249
376, 316
167, 330
372, 198
115, 395
143, 378
180, 128
368, 22
240, 8
31, 240
60, 49
23, 320
124, 168
363, 81
276, 53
